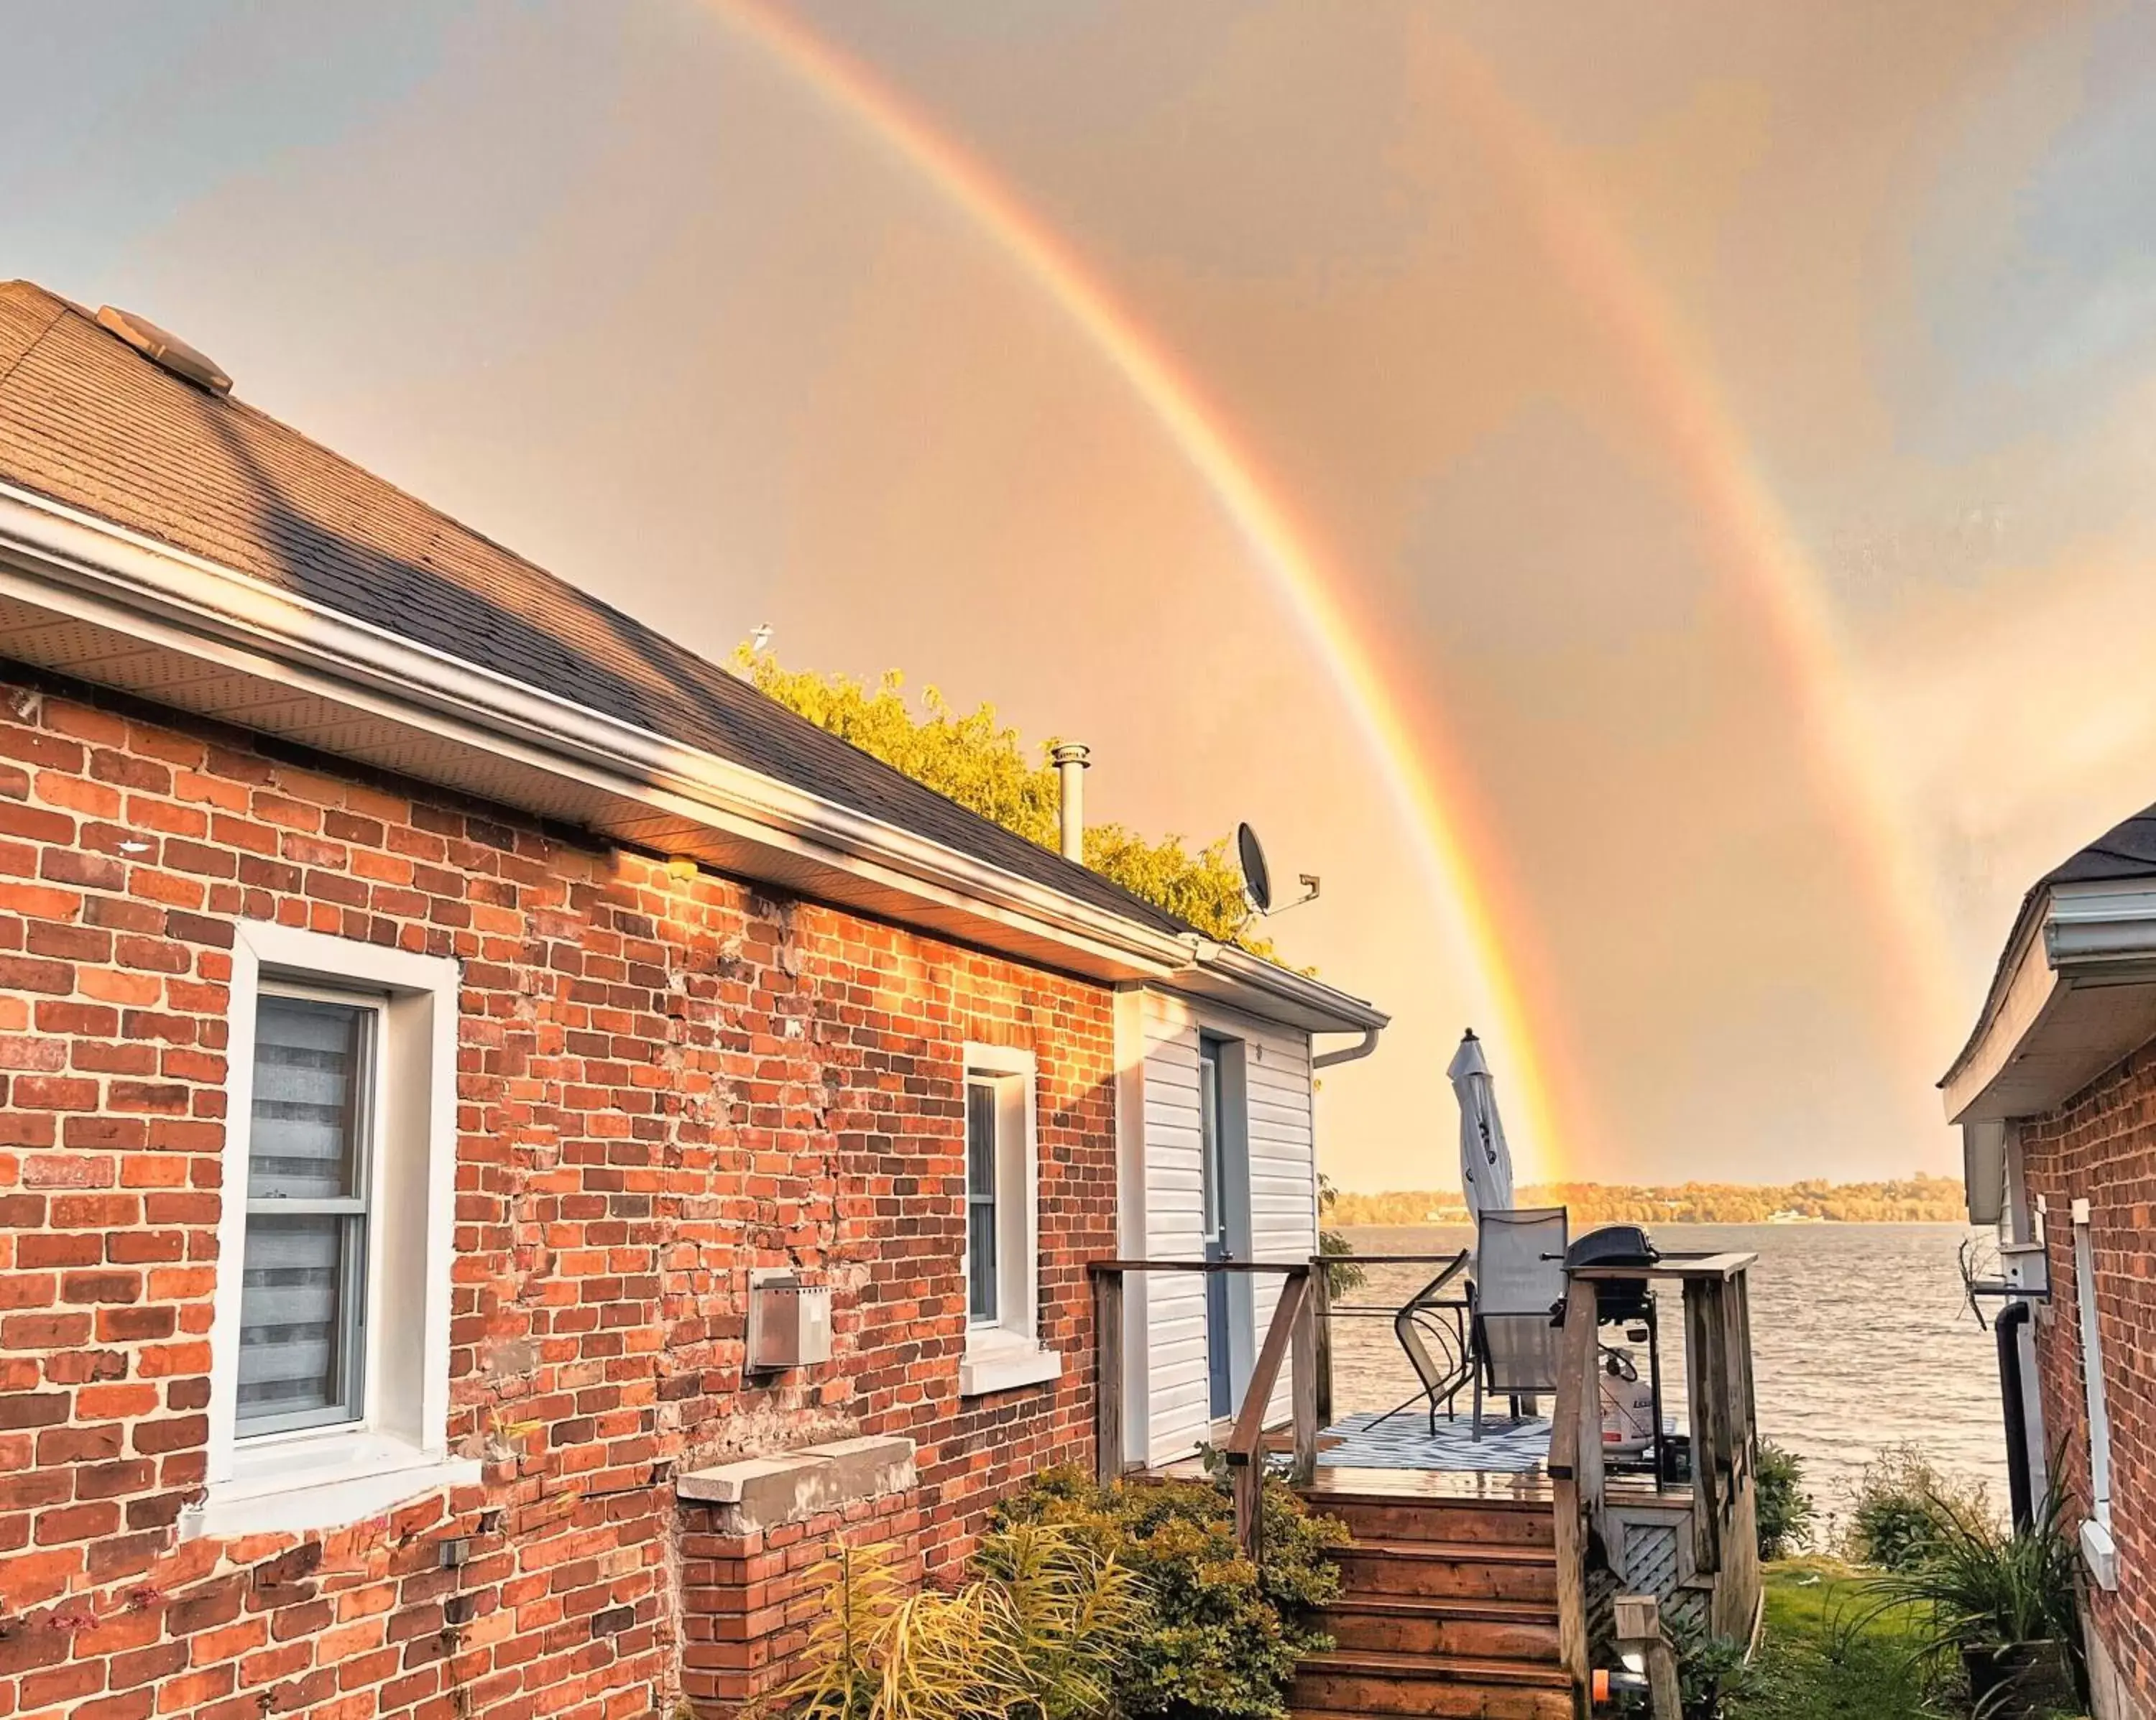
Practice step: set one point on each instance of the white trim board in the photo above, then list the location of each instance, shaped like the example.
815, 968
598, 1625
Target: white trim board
87, 598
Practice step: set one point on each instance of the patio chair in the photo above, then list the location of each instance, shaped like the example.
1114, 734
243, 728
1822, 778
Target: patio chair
1519, 1287
1432, 1317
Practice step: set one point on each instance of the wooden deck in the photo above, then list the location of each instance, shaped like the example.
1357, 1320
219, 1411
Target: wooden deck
1480, 1582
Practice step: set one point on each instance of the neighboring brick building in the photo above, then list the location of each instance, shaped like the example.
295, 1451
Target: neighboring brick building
2056, 1095
426, 997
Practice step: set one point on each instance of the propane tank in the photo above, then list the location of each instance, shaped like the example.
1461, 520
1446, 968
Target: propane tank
1628, 1406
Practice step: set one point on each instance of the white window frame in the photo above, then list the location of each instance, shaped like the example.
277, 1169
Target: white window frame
396, 1448
368, 1074
1007, 1353
2099, 1551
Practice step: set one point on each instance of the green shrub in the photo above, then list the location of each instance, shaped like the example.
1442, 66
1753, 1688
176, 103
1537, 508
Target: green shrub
1220, 1639
1784, 1508
1902, 1505
1711, 1671
1977, 1584
1043, 1633
1341, 1274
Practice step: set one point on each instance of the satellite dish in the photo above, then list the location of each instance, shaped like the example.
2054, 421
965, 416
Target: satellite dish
1257, 880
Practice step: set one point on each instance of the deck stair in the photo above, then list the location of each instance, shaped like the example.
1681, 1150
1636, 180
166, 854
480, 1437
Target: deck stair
1448, 1607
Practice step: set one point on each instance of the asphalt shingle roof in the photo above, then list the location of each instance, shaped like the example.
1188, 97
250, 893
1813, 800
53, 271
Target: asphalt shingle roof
87, 422
2127, 850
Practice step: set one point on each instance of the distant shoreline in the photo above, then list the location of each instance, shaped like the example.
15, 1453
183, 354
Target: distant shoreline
1459, 1222
1916, 1199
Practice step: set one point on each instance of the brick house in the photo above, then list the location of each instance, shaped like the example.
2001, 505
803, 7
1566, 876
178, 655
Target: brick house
2055, 1093
428, 999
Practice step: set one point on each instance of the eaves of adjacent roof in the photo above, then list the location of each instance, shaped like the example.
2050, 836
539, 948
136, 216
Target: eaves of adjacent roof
2074, 990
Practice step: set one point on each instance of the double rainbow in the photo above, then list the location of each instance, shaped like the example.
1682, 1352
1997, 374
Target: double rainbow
1462, 864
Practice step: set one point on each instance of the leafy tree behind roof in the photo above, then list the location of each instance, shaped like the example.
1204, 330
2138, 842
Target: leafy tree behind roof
969, 757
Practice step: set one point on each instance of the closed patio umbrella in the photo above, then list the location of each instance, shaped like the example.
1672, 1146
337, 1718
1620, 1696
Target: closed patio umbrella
1486, 1162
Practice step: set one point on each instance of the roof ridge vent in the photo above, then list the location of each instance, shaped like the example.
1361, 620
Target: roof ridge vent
168, 351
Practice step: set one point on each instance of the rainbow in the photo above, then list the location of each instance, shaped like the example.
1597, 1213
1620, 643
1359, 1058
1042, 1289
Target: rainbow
1750, 537
1432, 793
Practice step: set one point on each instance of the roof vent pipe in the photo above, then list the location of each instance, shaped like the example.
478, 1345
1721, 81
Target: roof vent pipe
1071, 759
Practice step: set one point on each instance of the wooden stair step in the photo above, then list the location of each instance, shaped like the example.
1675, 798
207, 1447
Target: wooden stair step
1366, 1489
1482, 1628
1443, 1687
1468, 1552
1472, 1669
1382, 1517
1482, 1570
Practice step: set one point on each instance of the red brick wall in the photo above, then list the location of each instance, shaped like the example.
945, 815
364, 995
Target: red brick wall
749, 1600
661, 1082
2101, 1147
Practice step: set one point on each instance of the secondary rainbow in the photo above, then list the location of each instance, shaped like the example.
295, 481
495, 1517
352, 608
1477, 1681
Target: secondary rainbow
1751, 538
1431, 794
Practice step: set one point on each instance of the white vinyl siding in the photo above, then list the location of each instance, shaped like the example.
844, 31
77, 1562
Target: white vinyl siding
1282, 1180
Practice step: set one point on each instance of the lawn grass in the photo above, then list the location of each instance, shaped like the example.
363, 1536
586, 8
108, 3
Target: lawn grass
1829, 1654
1815, 1662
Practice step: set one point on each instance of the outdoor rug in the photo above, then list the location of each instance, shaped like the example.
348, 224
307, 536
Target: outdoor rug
1405, 1441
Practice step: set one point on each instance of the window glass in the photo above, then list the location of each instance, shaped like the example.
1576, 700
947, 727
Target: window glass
2092, 1381
1209, 1135
981, 1201
303, 1283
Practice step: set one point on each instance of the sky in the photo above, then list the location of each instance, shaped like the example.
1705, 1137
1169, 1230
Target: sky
1649, 503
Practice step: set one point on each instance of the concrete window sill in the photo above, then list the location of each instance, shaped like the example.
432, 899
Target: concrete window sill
2100, 1555
753, 1493
323, 1485
1003, 1361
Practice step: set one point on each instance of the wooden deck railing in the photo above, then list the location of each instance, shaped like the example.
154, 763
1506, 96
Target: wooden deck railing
1723, 1420
1292, 1334
1717, 1327
1575, 1473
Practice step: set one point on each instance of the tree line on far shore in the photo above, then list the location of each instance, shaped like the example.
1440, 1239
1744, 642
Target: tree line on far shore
1914, 1200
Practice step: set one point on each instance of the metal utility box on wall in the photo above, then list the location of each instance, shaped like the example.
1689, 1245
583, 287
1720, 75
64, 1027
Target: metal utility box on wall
790, 1322
2026, 1267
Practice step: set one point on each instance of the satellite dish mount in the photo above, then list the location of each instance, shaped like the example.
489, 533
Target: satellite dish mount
1258, 879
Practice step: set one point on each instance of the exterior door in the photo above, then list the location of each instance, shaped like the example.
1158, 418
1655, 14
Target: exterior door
1218, 1236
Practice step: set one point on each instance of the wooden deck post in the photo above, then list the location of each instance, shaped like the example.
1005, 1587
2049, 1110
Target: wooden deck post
1321, 1366
1638, 1622
1737, 1592
1707, 1378
1303, 1379
1245, 1451
1575, 1487
1107, 1374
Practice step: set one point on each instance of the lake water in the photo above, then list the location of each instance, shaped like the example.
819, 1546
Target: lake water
1860, 1339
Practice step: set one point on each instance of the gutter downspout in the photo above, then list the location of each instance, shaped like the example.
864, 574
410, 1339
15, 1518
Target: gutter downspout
2007, 1328
1350, 1053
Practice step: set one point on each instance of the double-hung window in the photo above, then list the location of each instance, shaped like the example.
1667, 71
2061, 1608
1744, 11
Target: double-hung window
329, 1334
311, 1159
1002, 1226
982, 1257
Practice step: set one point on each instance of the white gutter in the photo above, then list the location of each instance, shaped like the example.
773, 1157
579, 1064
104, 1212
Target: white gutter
1225, 974
96, 572
1347, 1053
2076, 992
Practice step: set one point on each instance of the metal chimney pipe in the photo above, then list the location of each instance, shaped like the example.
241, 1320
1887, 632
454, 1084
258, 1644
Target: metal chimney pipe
1071, 759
